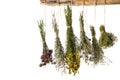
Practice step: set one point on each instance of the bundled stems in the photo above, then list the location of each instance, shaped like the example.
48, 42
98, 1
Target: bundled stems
42, 32
46, 57
59, 51
97, 55
72, 53
85, 45
106, 39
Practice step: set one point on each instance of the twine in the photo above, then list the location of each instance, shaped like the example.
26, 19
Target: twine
68, 26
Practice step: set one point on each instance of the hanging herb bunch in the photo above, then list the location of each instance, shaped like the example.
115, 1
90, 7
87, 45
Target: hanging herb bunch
98, 53
85, 44
72, 53
106, 39
46, 57
59, 50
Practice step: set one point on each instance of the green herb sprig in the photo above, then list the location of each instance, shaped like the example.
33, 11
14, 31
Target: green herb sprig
106, 39
59, 50
46, 56
85, 44
97, 50
72, 53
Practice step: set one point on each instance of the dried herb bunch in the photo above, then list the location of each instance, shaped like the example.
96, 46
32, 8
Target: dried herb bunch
72, 53
98, 53
106, 39
46, 57
85, 44
59, 50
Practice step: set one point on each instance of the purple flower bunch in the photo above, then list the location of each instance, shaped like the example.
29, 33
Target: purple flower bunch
46, 57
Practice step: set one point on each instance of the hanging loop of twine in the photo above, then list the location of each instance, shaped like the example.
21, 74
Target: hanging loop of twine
83, 5
45, 12
83, 8
95, 11
104, 11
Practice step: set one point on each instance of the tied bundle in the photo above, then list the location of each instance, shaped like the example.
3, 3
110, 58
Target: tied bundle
106, 39
46, 57
59, 50
85, 45
97, 55
72, 54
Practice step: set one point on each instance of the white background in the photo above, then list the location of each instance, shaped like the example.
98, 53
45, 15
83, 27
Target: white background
21, 46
